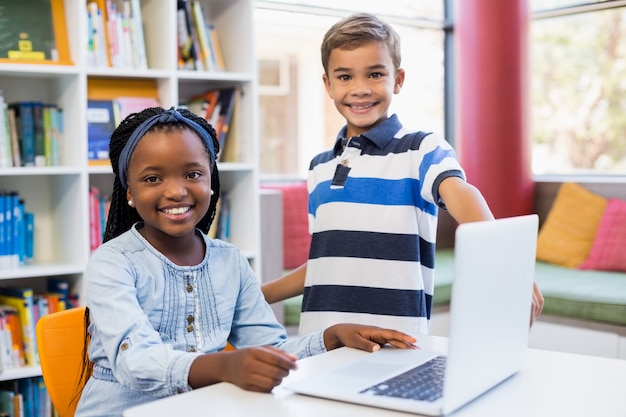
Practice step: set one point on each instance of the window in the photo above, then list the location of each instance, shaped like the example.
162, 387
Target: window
578, 61
297, 119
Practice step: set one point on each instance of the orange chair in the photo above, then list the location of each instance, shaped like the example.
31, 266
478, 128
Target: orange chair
60, 341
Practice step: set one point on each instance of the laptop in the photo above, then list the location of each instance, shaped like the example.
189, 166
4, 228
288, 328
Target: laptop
494, 264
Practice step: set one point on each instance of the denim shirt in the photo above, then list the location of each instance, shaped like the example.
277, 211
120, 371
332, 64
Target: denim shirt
151, 318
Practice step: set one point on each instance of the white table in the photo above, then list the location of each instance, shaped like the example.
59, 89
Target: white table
551, 384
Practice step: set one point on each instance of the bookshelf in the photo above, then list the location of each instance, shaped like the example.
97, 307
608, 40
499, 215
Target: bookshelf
59, 195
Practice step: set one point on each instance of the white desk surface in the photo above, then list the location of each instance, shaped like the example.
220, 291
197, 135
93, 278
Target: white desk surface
551, 384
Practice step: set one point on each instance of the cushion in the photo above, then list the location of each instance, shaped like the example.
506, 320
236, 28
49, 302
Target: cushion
608, 252
582, 294
569, 230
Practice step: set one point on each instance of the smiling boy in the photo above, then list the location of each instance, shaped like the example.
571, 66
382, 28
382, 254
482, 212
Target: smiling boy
374, 197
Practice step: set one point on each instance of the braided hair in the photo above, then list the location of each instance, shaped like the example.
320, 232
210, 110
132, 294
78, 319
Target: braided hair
121, 216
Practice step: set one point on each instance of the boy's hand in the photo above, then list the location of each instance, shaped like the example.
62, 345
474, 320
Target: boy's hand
368, 338
258, 368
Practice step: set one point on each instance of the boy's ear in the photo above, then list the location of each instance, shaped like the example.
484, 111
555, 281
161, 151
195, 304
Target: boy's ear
399, 81
327, 85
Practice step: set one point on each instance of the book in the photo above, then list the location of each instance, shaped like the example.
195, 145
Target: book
26, 387
199, 62
45, 405
200, 27
128, 105
50, 134
23, 299
187, 54
94, 219
6, 153
15, 139
227, 101
56, 132
13, 335
20, 232
14, 230
140, 60
7, 359
216, 49
38, 134
4, 244
102, 119
98, 45
25, 131
30, 37
29, 238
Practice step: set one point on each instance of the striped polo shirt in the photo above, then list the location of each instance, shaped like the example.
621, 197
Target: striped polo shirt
373, 207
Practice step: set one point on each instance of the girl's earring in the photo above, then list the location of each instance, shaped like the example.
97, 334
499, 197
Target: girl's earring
130, 203
212, 192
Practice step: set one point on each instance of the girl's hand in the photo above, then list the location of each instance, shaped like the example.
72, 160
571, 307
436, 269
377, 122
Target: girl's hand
259, 368
254, 369
369, 338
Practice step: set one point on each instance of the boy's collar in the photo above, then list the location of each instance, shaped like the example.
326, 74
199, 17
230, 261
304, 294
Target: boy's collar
380, 135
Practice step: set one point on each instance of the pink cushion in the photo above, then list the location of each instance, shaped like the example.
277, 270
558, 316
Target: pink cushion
608, 252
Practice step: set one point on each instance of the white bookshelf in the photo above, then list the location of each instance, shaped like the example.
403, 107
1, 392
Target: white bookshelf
58, 196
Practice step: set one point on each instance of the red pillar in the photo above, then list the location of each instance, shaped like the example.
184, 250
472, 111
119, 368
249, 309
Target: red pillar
492, 133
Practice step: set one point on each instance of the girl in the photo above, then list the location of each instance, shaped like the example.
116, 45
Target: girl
163, 299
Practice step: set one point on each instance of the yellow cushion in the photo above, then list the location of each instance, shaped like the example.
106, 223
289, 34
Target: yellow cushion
567, 234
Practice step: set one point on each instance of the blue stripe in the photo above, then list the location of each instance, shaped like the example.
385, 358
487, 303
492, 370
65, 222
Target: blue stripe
433, 158
371, 245
402, 192
380, 301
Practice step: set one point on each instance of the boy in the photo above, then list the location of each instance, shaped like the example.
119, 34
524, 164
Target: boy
373, 198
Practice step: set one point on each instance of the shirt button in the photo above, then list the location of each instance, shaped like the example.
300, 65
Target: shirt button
344, 162
189, 288
189, 328
124, 346
191, 349
190, 319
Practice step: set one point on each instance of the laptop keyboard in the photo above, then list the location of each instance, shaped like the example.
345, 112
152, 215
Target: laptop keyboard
423, 383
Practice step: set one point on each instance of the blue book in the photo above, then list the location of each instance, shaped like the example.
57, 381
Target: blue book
4, 251
29, 238
45, 406
14, 199
27, 389
102, 119
17, 224
20, 230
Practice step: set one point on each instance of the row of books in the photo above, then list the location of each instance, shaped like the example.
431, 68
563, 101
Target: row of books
20, 310
116, 37
17, 229
30, 133
198, 42
26, 397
